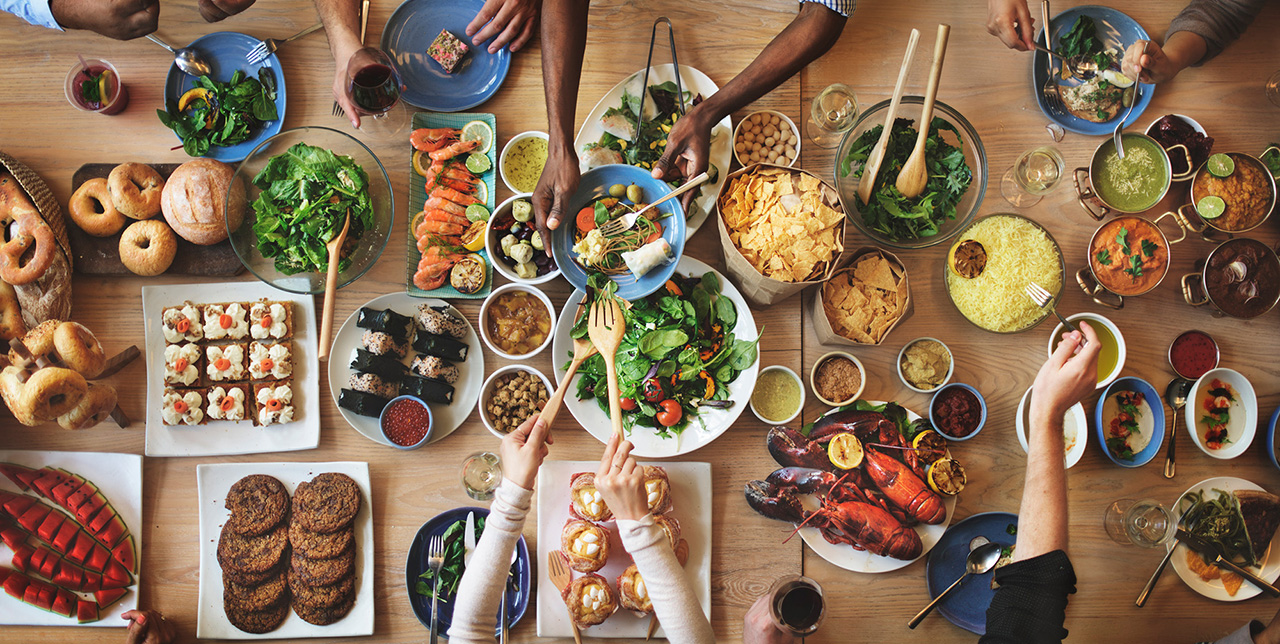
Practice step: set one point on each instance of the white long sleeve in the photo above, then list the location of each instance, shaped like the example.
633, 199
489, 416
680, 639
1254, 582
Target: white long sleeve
673, 600
480, 592
35, 12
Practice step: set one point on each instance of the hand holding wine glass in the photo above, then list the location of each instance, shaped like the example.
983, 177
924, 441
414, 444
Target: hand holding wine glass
373, 89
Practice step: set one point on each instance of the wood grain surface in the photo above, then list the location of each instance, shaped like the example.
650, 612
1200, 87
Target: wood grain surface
982, 79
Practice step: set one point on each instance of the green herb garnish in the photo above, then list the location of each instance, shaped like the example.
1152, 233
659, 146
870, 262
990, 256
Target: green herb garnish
1149, 248
227, 114
1135, 267
1104, 257
1122, 238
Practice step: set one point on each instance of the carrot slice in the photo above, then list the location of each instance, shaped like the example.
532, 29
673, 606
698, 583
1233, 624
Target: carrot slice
586, 221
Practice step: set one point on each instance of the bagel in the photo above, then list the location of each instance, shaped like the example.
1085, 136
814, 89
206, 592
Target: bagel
38, 341
47, 394
93, 210
135, 190
94, 407
29, 251
11, 324
147, 247
79, 349
11, 388
195, 201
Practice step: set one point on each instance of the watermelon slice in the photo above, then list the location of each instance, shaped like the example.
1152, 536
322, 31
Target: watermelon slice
22, 557
98, 558
21, 475
16, 584
61, 491
49, 564
49, 478
50, 526
87, 611
4, 574
102, 518
90, 507
79, 553
82, 494
45, 597
12, 536
115, 576
65, 604
34, 516
127, 554
111, 532
68, 576
92, 581
31, 594
66, 537
108, 597
16, 504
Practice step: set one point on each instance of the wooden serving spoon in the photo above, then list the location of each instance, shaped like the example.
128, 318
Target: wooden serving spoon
914, 174
872, 167
582, 349
331, 288
606, 328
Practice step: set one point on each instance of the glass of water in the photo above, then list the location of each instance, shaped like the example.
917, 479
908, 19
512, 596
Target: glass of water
831, 114
481, 474
1145, 522
1032, 176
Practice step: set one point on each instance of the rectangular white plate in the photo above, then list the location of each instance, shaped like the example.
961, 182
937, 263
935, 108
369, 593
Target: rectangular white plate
221, 437
691, 490
212, 482
119, 478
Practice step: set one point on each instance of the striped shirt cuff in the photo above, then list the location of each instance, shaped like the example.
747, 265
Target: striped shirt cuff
842, 7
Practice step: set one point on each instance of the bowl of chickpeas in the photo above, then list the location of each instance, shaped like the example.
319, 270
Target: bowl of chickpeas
767, 136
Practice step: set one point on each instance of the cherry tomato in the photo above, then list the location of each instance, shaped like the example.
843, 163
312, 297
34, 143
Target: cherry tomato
652, 390
670, 413
628, 404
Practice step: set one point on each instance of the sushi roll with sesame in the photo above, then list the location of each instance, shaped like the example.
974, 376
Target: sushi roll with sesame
380, 343
435, 368
440, 321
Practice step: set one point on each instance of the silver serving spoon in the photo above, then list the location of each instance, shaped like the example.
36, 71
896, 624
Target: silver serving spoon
980, 560
185, 58
1175, 394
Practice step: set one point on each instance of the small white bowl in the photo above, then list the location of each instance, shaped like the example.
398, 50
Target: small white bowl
493, 242
484, 319
1075, 418
486, 390
1241, 427
1189, 174
783, 119
1094, 318
799, 406
813, 375
902, 377
502, 159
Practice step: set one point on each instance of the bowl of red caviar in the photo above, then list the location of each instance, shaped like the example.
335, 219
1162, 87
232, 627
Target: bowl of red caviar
406, 422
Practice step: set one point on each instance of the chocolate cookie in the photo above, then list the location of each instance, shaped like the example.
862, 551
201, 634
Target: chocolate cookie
321, 596
257, 503
253, 578
254, 598
323, 572
252, 554
263, 621
314, 545
327, 503
323, 616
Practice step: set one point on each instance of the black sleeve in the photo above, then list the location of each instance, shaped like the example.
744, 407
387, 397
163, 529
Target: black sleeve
1030, 605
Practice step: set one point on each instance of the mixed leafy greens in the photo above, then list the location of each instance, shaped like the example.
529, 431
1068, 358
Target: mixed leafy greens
454, 558
888, 212
1082, 40
221, 114
679, 354
1272, 160
1217, 519
306, 193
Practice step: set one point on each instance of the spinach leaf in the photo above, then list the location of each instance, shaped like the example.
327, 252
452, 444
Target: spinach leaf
658, 342
726, 312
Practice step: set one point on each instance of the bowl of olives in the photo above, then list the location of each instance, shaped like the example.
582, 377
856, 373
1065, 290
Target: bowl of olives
516, 248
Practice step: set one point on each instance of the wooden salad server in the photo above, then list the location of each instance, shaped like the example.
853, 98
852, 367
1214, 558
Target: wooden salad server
331, 288
915, 174
872, 167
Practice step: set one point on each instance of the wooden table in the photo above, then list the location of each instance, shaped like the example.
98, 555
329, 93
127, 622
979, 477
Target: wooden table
983, 80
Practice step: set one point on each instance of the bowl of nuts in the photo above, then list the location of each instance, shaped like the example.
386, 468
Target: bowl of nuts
510, 396
767, 136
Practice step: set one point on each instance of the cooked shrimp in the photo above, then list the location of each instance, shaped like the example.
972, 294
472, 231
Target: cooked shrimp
453, 150
438, 228
432, 139
440, 203
429, 282
449, 194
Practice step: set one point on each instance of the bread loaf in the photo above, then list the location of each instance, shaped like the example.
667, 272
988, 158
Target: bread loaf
194, 201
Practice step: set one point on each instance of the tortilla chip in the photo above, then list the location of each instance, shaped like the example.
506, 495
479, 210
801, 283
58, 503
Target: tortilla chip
874, 271
1231, 581
1204, 570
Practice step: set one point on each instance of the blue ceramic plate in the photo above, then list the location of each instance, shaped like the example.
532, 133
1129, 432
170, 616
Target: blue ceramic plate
517, 599
1271, 437
1153, 400
595, 184
966, 606
1116, 31
410, 31
225, 51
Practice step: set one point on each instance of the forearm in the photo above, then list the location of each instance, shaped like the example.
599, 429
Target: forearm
1213, 23
480, 591
564, 38
1184, 49
342, 26
1043, 527
674, 602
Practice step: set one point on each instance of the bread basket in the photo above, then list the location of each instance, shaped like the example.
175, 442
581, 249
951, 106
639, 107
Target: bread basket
48, 297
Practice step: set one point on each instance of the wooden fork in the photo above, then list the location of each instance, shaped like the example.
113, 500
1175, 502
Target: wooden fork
606, 329
560, 578
582, 349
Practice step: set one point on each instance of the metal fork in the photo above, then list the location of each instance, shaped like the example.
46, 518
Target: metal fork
1052, 95
1044, 299
625, 222
364, 22
269, 46
435, 560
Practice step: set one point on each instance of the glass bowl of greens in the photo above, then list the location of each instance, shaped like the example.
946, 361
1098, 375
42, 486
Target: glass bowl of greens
957, 166
300, 184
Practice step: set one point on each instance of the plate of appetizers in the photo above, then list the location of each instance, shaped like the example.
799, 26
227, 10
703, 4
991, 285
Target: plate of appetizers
440, 68
397, 344
231, 369
1242, 505
680, 498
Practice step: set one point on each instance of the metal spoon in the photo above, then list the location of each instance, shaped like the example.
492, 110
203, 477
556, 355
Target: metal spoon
980, 560
1133, 101
185, 58
1175, 394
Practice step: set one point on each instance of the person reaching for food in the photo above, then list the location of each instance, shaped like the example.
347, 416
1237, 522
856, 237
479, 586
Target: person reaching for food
118, 19
1198, 33
758, 626
148, 627
1030, 603
1011, 22
564, 37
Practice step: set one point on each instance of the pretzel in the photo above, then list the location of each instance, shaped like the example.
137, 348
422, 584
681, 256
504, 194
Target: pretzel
30, 236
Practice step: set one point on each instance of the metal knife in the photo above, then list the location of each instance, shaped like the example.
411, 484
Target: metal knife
469, 539
1209, 550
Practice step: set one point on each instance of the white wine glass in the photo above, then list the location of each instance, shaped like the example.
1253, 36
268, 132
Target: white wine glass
831, 114
1144, 522
1035, 174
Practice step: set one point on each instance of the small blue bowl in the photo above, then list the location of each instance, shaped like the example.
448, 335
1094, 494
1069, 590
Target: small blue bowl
595, 184
981, 403
1271, 437
431, 422
1154, 402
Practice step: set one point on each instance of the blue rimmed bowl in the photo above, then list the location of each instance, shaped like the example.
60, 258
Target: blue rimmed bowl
982, 403
1153, 401
431, 422
1271, 437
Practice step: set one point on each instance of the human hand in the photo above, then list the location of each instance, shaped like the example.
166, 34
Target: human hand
148, 627
522, 451
558, 182
119, 19
688, 148
1069, 375
1149, 65
621, 482
511, 20
758, 626
341, 59
1011, 22
215, 10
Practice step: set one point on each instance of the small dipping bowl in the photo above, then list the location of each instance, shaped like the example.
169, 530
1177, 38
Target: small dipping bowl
903, 377
1075, 416
813, 378
508, 148
1188, 354
799, 401
982, 406
406, 405
744, 159
1094, 319
484, 319
486, 392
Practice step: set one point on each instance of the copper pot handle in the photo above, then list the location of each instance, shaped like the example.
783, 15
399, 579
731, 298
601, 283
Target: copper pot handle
1179, 219
1186, 153
1192, 281
1091, 287
1084, 194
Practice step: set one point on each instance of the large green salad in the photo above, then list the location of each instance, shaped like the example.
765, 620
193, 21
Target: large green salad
620, 125
306, 194
221, 114
678, 356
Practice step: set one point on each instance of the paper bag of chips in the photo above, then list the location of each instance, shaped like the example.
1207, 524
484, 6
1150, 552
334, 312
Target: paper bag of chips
865, 299
781, 229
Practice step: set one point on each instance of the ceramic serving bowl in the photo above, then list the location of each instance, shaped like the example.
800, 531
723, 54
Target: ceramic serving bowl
982, 420
813, 373
507, 149
799, 403
1074, 425
1180, 151
484, 320
493, 242
902, 377
783, 121
1243, 417
431, 422
1152, 424
1095, 319
486, 392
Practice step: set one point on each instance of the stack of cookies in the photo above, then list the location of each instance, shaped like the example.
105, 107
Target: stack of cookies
251, 551
322, 572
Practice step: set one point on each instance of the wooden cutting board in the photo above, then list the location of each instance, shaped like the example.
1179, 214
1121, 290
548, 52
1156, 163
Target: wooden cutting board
101, 255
